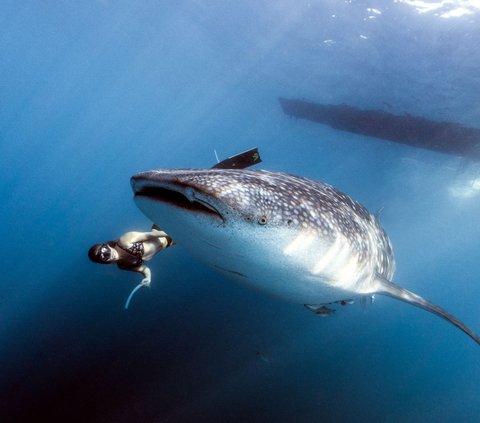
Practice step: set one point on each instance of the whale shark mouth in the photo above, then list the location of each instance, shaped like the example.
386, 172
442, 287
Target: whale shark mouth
177, 198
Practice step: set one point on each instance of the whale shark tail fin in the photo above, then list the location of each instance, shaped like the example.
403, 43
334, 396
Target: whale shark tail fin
386, 287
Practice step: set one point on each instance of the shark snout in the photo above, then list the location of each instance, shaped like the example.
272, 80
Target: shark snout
176, 188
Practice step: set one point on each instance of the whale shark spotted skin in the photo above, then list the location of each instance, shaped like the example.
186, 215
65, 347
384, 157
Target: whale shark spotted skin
288, 236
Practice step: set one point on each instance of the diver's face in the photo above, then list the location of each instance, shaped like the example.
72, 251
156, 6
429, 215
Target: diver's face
106, 254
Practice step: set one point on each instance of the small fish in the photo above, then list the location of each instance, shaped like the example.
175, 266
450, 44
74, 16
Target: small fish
321, 310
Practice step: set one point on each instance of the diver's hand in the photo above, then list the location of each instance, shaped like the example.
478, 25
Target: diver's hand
145, 271
148, 276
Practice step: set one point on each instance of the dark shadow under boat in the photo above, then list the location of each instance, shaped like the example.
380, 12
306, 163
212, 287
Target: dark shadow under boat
446, 137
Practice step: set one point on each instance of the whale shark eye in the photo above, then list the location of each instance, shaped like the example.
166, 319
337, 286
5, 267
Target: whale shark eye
262, 220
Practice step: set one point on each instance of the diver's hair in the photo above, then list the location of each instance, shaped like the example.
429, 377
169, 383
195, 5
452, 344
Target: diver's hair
94, 253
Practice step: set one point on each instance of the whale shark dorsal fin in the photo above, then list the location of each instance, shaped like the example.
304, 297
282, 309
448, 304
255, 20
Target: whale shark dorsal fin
386, 287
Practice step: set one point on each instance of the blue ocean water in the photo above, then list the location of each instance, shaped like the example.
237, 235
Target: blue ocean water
93, 92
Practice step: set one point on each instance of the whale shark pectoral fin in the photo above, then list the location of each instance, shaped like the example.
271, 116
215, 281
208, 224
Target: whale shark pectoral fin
386, 287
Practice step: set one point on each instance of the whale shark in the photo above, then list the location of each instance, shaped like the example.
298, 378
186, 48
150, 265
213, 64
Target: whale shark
285, 235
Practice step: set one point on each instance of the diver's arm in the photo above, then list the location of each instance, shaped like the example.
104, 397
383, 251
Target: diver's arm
144, 270
131, 237
147, 275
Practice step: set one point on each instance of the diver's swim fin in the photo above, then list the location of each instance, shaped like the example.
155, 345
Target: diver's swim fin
134, 290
